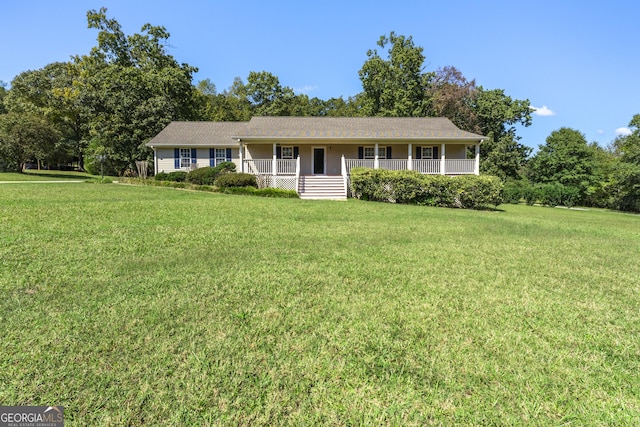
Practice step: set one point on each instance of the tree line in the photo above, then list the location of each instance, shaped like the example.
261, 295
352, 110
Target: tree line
109, 102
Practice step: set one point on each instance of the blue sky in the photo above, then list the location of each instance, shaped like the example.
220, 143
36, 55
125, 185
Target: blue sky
577, 61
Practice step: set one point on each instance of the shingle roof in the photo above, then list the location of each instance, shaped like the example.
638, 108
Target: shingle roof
190, 134
354, 128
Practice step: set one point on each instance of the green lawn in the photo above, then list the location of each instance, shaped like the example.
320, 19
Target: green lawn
43, 175
143, 305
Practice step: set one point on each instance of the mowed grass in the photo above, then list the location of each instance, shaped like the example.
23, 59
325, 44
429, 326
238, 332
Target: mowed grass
43, 175
144, 305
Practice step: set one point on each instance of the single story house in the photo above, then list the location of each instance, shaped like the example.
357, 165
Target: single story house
314, 155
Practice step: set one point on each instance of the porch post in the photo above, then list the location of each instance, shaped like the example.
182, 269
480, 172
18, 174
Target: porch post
241, 155
343, 170
410, 158
376, 162
476, 169
274, 166
442, 159
298, 174
155, 161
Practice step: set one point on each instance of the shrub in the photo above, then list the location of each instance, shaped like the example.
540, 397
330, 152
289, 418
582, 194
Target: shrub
531, 193
236, 180
514, 191
208, 175
261, 192
432, 190
176, 176
474, 192
570, 196
202, 176
161, 176
225, 167
99, 180
551, 194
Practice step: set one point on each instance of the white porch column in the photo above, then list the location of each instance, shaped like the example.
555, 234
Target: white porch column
298, 174
274, 166
410, 157
241, 155
376, 161
476, 169
155, 161
442, 159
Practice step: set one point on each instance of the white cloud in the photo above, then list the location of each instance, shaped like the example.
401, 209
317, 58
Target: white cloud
305, 89
600, 132
623, 132
543, 111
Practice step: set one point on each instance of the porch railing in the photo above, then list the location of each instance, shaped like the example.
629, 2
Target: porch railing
265, 166
460, 166
358, 163
425, 166
286, 166
393, 164
258, 166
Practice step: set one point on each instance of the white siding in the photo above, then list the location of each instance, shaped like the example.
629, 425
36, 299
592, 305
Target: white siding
166, 158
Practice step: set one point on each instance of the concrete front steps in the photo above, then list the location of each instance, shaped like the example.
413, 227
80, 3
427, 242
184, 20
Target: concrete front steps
322, 187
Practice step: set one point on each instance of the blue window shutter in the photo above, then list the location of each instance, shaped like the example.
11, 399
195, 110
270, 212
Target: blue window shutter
278, 152
361, 152
176, 158
212, 157
418, 152
435, 153
194, 155
296, 152
228, 154
389, 152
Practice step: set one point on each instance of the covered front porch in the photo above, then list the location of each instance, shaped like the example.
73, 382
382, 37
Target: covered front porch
444, 159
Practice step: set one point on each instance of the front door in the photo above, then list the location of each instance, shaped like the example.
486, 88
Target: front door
318, 161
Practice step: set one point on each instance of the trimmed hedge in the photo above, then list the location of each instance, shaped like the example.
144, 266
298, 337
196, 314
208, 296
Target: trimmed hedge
552, 194
161, 176
236, 180
411, 187
261, 192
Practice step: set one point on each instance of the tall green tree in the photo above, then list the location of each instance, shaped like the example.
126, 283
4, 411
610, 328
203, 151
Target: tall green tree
626, 175
397, 84
491, 113
497, 115
453, 96
53, 92
3, 93
25, 137
568, 159
133, 88
267, 96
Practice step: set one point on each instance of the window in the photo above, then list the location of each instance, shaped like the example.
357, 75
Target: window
220, 155
370, 152
287, 152
185, 158
427, 152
